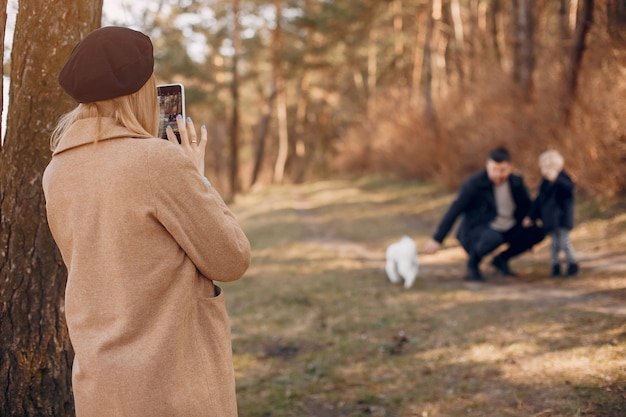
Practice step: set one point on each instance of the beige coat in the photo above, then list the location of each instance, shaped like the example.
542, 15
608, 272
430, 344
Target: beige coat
143, 238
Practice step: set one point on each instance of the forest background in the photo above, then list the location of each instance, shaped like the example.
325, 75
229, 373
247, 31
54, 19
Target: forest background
416, 89
302, 90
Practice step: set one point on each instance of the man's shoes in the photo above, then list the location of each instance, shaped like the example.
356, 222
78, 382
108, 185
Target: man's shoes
502, 266
473, 274
572, 270
556, 270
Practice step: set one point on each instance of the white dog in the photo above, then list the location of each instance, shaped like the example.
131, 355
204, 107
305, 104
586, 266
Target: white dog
402, 262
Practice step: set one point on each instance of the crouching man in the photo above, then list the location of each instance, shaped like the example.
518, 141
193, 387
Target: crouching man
492, 203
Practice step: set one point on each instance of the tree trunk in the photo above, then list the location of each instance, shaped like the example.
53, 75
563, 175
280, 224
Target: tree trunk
493, 30
372, 70
234, 125
398, 42
418, 57
524, 60
36, 355
3, 26
283, 131
515, 41
563, 20
281, 101
427, 83
459, 40
583, 23
218, 139
440, 68
616, 18
261, 137
301, 157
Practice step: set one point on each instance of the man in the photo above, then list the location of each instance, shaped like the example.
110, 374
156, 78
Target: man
493, 203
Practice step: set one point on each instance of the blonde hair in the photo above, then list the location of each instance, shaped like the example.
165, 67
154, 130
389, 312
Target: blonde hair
138, 112
551, 159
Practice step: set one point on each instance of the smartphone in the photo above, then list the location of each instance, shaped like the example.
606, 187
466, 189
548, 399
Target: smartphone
171, 104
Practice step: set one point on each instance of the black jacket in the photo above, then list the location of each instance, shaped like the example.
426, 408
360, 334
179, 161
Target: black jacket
554, 204
476, 202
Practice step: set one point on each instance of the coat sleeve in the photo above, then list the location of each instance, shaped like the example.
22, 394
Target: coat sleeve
534, 211
458, 206
565, 184
196, 216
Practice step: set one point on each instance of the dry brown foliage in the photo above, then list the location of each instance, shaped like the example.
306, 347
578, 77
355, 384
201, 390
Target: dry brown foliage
489, 111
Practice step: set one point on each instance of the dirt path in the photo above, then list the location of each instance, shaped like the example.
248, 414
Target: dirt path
319, 331
326, 239
601, 255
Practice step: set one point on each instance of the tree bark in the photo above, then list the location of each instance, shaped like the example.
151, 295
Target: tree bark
261, 136
3, 26
583, 24
418, 58
427, 83
302, 158
234, 125
459, 40
283, 131
398, 42
372, 70
523, 19
281, 101
564, 19
616, 19
35, 353
515, 41
493, 30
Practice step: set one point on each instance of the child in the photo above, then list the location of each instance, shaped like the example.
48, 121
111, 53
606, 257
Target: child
554, 207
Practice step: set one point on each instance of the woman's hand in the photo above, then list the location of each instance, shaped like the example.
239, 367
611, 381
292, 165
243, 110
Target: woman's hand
194, 148
527, 222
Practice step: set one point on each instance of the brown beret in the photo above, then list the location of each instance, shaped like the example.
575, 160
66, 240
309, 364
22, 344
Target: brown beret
110, 62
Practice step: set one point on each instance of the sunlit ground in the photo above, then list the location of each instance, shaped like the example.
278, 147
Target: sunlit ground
319, 331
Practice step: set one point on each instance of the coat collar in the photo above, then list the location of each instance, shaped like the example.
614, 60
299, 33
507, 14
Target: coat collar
92, 130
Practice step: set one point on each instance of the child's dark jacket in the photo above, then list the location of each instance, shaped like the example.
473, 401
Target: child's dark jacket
554, 204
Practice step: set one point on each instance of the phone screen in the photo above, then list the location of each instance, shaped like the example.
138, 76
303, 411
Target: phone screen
171, 104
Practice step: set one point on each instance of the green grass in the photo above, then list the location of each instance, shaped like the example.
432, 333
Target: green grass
319, 331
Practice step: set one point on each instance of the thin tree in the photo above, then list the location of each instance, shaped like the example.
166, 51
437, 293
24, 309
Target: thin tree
261, 134
564, 30
494, 12
459, 39
281, 98
398, 41
524, 45
427, 83
35, 353
418, 57
234, 125
372, 69
583, 24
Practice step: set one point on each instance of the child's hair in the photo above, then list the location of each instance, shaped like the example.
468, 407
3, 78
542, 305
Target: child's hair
551, 158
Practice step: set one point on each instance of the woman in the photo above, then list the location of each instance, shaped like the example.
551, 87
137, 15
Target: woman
144, 237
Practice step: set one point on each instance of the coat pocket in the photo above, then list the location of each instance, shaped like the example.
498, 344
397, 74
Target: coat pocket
213, 345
